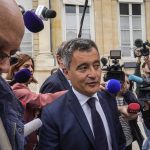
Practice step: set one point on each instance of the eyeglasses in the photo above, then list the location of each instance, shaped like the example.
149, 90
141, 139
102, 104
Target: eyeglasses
3, 55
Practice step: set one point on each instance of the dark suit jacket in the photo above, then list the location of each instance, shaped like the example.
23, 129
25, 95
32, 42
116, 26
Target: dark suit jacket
54, 83
65, 126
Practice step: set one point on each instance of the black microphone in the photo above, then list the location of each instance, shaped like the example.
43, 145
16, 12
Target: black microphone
138, 43
22, 76
44, 13
32, 22
104, 61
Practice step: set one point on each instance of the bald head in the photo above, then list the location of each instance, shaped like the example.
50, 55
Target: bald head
11, 26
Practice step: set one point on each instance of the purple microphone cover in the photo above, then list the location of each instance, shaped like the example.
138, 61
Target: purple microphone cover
32, 22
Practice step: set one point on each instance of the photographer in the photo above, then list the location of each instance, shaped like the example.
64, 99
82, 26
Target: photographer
146, 104
130, 127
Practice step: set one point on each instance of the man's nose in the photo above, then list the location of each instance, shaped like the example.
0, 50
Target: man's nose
92, 72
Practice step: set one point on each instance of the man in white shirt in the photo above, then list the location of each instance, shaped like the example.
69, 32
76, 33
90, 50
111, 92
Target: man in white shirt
82, 119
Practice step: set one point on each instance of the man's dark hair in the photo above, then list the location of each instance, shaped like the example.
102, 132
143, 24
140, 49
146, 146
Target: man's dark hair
82, 45
59, 50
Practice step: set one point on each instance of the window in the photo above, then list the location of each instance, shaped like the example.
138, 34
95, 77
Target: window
26, 44
73, 16
131, 26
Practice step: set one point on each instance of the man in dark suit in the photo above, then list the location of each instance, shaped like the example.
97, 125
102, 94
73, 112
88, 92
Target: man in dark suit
83, 118
57, 81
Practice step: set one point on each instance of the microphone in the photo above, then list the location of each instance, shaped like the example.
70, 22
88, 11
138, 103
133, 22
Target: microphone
138, 43
32, 22
133, 108
22, 76
44, 13
32, 126
113, 86
104, 61
136, 79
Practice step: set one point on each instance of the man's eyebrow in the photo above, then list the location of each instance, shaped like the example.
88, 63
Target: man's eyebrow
83, 64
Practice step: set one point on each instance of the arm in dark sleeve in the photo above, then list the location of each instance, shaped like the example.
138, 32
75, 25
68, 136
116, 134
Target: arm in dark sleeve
48, 139
49, 87
130, 97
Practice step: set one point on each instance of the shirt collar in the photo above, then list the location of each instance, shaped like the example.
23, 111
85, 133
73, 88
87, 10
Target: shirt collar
65, 76
83, 98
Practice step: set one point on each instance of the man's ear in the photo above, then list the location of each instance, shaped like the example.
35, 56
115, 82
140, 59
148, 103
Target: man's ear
66, 73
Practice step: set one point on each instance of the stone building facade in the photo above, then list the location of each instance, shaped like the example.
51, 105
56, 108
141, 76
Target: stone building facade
112, 24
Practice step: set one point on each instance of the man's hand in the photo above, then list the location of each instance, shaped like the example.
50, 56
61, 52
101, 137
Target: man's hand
126, 115
102, 86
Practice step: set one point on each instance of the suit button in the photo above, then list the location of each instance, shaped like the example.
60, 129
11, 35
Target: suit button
20, 130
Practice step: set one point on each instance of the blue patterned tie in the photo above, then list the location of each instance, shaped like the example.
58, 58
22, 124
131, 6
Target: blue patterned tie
98, 127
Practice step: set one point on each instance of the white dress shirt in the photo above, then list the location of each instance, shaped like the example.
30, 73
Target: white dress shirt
87, 110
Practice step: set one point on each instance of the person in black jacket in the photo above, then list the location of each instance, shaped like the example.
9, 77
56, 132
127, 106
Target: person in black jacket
130, 127
146, 104
11, 34
57, 81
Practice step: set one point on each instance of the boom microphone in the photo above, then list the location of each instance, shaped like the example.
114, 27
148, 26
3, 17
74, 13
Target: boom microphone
22, 76
44, 13
133, 108
32, 126
113, 86
32, 22
136, 79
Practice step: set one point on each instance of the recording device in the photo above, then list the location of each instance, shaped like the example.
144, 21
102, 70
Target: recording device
13, 60
32, 126
144, 87
113, 86
135, 79
134, 108
21, 9
113, 71
33, 18
22, 76
44, 13
130, 65
142, 49
32, 22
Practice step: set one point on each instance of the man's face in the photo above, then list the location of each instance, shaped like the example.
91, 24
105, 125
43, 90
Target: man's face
11, 30
85, 71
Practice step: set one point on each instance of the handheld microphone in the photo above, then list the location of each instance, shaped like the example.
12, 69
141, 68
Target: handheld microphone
133, 108
32, 126
22, 76
113, 86
135, 79
44, 13
32, 22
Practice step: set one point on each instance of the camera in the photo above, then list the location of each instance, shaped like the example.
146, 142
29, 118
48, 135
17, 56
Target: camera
144, 90
142, 49
113, 71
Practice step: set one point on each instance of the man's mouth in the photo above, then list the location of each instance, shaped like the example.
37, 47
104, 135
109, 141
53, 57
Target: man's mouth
92, 83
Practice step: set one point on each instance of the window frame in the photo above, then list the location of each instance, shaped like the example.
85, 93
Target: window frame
91, 14
143, 26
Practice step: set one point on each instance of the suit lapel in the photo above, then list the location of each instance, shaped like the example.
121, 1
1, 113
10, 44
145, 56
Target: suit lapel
65, 83
80, 116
